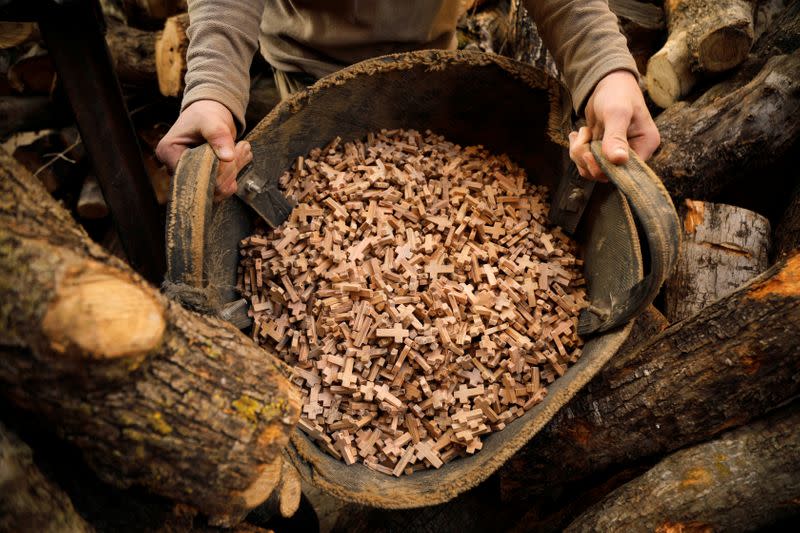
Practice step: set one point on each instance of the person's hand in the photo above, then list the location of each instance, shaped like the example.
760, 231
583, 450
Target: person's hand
617, 114
212, 122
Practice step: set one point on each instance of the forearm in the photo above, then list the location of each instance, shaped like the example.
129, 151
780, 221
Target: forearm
223, 36
585, 41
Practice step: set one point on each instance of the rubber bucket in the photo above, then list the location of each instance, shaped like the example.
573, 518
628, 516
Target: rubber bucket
470, 98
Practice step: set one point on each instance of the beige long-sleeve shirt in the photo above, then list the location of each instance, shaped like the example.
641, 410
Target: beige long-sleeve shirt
322, 36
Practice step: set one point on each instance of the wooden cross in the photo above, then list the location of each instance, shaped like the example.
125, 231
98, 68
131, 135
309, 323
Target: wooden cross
397, 332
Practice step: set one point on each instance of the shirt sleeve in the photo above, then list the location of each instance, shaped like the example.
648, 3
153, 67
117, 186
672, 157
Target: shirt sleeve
585, 41
223, 37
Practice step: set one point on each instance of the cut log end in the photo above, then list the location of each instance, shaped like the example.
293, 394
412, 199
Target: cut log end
82, 321
724, 48
668, 76
91, 203
290, 491
16, 33
171, 49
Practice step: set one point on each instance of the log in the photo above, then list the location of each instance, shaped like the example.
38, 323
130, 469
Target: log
787, 233
704, 36
747, 479
17, 33
91, 204
150, 14
723, 247
709, 144
26, 113
154, 395
486, 30
717, 370
766, 13
45, 156
284, 500
647, 325
28, 500
133, 52
33, 73
171, 49
289, 491
525, 45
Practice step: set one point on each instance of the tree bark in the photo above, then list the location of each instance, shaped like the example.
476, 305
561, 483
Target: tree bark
171, 48
28, 500
723, 246
525, 45
134, 54
33, 73
717, 370
705, 36
744, 480
711, 143
766, 13
154, 395
787, 233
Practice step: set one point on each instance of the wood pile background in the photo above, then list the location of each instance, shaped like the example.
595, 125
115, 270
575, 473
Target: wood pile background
699, 405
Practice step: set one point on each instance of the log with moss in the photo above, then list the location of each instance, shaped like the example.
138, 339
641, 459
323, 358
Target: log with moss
153, 394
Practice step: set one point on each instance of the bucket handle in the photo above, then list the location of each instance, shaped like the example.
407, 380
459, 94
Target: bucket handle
189, 214
656, 213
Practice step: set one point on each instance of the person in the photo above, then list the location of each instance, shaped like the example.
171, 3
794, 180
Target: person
308, 39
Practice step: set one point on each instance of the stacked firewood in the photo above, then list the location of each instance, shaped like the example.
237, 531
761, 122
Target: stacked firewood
419, 294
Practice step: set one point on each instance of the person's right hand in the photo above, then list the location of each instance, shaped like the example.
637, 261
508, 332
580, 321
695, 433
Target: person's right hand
211, 122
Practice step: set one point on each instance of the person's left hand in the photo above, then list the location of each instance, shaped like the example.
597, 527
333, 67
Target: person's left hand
617, 114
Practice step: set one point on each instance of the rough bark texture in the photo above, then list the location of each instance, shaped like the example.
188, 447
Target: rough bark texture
723, 246
746, 479
717, 370
28, 500
171, 48
134, 54
787, 233
705, 36
154, 395
709, 144
765, 14
525, 45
